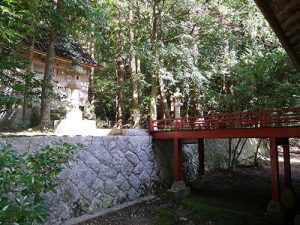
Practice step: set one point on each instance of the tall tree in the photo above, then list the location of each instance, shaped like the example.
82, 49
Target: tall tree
135, 107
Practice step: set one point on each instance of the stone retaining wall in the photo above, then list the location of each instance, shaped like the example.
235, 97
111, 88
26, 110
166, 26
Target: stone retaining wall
108, 171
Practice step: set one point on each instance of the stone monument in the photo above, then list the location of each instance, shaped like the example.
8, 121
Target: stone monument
74, 124
177, 102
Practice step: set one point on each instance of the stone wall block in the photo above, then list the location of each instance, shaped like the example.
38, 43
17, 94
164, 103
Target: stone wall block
107, 201
37, 143
89, 160
19, 144
106, 172
132, 158
110, 187
69, 192
95, 205
144, 177
135, 143
126, 167
121, 196
123, 144
139, 168
110, 143
122, 183
98, 186
90, 177
84, 140
146, 142
132, 194
134, 181
117, 155
85, 192
143, 157
77, 172
149, 167
101, 154
60, 212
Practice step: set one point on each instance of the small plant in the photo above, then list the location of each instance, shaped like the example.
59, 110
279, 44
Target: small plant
24, 178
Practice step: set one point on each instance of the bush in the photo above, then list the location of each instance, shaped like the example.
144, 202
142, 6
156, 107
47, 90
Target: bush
24, 178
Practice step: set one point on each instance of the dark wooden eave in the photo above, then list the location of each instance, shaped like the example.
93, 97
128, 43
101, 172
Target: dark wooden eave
284, 18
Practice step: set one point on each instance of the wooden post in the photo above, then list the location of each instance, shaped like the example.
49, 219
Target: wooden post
287, 164
201, 156
177, 160
274, 169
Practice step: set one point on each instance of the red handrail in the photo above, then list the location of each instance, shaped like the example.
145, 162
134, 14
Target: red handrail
268, 118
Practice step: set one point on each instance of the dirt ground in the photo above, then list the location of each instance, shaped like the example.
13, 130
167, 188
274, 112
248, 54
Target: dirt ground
228, 198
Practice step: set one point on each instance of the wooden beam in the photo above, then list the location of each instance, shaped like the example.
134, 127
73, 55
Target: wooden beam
269, 15
291, 30
286, 9
296, 37
292, 19
297, 47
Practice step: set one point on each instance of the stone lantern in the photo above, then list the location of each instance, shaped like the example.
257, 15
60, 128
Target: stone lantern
74, 123
177, 102
74, 84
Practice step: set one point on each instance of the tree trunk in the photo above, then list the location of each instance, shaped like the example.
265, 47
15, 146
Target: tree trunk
195, 108
135, 107
153, 108
153, 97
91, 47
164, 97
256, 152
27, 77
120, 101
46, 84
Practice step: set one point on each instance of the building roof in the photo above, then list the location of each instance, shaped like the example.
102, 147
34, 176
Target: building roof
284, 18
64, 48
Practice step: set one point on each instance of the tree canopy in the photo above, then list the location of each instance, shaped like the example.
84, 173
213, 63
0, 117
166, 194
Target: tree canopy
222, 55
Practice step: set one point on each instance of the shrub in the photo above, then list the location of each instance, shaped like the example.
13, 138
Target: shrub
24, 178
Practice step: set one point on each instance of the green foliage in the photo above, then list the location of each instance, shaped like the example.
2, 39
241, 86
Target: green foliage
222, 55
25, 178
14, 80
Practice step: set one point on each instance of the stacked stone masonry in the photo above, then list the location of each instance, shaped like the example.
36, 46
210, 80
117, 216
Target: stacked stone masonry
107, 171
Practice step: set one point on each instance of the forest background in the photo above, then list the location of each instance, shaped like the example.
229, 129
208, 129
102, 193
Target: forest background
222, 55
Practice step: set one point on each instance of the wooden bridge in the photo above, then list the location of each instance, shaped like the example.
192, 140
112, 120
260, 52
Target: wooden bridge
276, 125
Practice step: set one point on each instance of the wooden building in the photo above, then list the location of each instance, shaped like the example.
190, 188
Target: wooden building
71, 63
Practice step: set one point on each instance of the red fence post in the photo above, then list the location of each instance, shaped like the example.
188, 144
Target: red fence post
151, 124
177, 160
274, 169
265, 119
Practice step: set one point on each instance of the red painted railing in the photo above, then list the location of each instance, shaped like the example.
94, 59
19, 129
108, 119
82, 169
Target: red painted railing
268, 118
